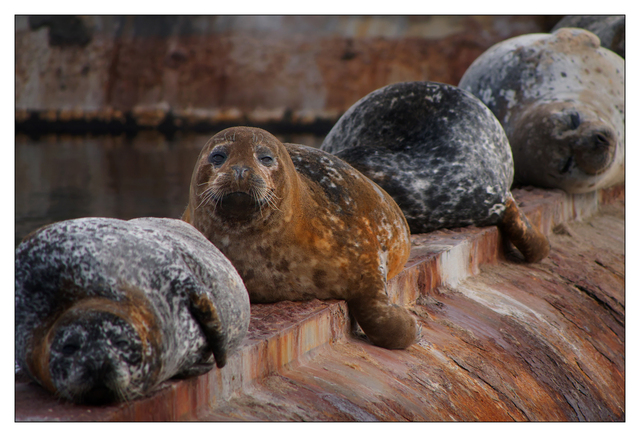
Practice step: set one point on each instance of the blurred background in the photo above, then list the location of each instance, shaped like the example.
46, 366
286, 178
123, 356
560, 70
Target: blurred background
112, 111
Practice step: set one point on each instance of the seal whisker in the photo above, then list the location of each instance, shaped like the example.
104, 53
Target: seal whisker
206, 196
270, 197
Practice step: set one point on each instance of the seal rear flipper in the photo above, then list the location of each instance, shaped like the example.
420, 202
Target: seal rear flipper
527, 238
205, 313
387, 325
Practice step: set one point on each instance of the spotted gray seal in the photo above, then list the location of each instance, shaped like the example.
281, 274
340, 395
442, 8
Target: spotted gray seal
441, 154
300, 224
560, 99
107, 309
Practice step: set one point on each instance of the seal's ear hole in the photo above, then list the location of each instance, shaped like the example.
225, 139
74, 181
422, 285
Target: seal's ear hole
574, 120
217, 157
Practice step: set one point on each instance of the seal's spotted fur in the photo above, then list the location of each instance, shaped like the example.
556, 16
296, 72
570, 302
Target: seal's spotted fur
436, 149
107, 309
439, 152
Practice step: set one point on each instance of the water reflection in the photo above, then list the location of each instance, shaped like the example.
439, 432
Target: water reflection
65, 177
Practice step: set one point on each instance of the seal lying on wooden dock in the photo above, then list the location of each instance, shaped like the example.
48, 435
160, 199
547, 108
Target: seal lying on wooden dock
441, 154
300, 224
560, 99
107, 309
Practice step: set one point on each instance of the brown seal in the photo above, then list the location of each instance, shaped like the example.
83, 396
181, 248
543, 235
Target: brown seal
298, 223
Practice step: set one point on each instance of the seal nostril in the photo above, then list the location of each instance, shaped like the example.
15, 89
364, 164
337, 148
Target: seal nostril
240, 172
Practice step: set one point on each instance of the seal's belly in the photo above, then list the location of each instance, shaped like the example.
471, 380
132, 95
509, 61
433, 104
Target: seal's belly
313, 269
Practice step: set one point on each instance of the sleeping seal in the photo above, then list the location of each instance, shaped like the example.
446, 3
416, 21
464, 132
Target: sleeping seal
107, 309
560, 99
441, 154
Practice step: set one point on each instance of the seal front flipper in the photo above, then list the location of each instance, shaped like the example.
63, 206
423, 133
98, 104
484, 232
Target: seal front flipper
196, 369
387, 325
205, 313
528, 239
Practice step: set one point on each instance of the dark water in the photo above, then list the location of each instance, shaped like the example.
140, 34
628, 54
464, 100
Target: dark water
65, 177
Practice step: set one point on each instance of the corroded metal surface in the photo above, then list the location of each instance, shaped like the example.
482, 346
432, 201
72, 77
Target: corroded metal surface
119, 72
540, 342
278, 335
501, 340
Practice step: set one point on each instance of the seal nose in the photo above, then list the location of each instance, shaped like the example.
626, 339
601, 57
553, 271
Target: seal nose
240, 171
100, 392
99, 371
596, 151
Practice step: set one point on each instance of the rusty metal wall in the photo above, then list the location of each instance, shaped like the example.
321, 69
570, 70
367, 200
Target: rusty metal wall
197, 71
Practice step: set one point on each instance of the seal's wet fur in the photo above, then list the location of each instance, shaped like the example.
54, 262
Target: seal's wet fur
299, 223
560, 100
107, 309
439, 152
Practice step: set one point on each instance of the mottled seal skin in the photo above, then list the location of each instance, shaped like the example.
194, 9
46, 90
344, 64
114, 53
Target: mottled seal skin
440, 153
560, 99
300, 224
107, 309
609, 28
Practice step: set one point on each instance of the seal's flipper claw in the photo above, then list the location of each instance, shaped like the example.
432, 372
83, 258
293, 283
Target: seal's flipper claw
195, 370
205, 313
527, 238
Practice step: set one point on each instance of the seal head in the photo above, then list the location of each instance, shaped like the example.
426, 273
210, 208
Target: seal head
242, 184
300, 224
562, 145
96, 357
560, 99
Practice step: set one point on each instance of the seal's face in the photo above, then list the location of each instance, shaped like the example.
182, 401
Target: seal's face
96, 358
239, 176
563, 145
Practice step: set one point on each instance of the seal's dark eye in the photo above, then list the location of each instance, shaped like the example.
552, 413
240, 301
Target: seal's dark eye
217, 158
121, 343
601, 139
70, 348
266, 160
575, 120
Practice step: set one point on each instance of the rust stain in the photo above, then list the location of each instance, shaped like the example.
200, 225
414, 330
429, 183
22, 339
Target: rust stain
235, 74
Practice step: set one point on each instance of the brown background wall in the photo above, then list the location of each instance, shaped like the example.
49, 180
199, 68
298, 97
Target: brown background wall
260, 69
